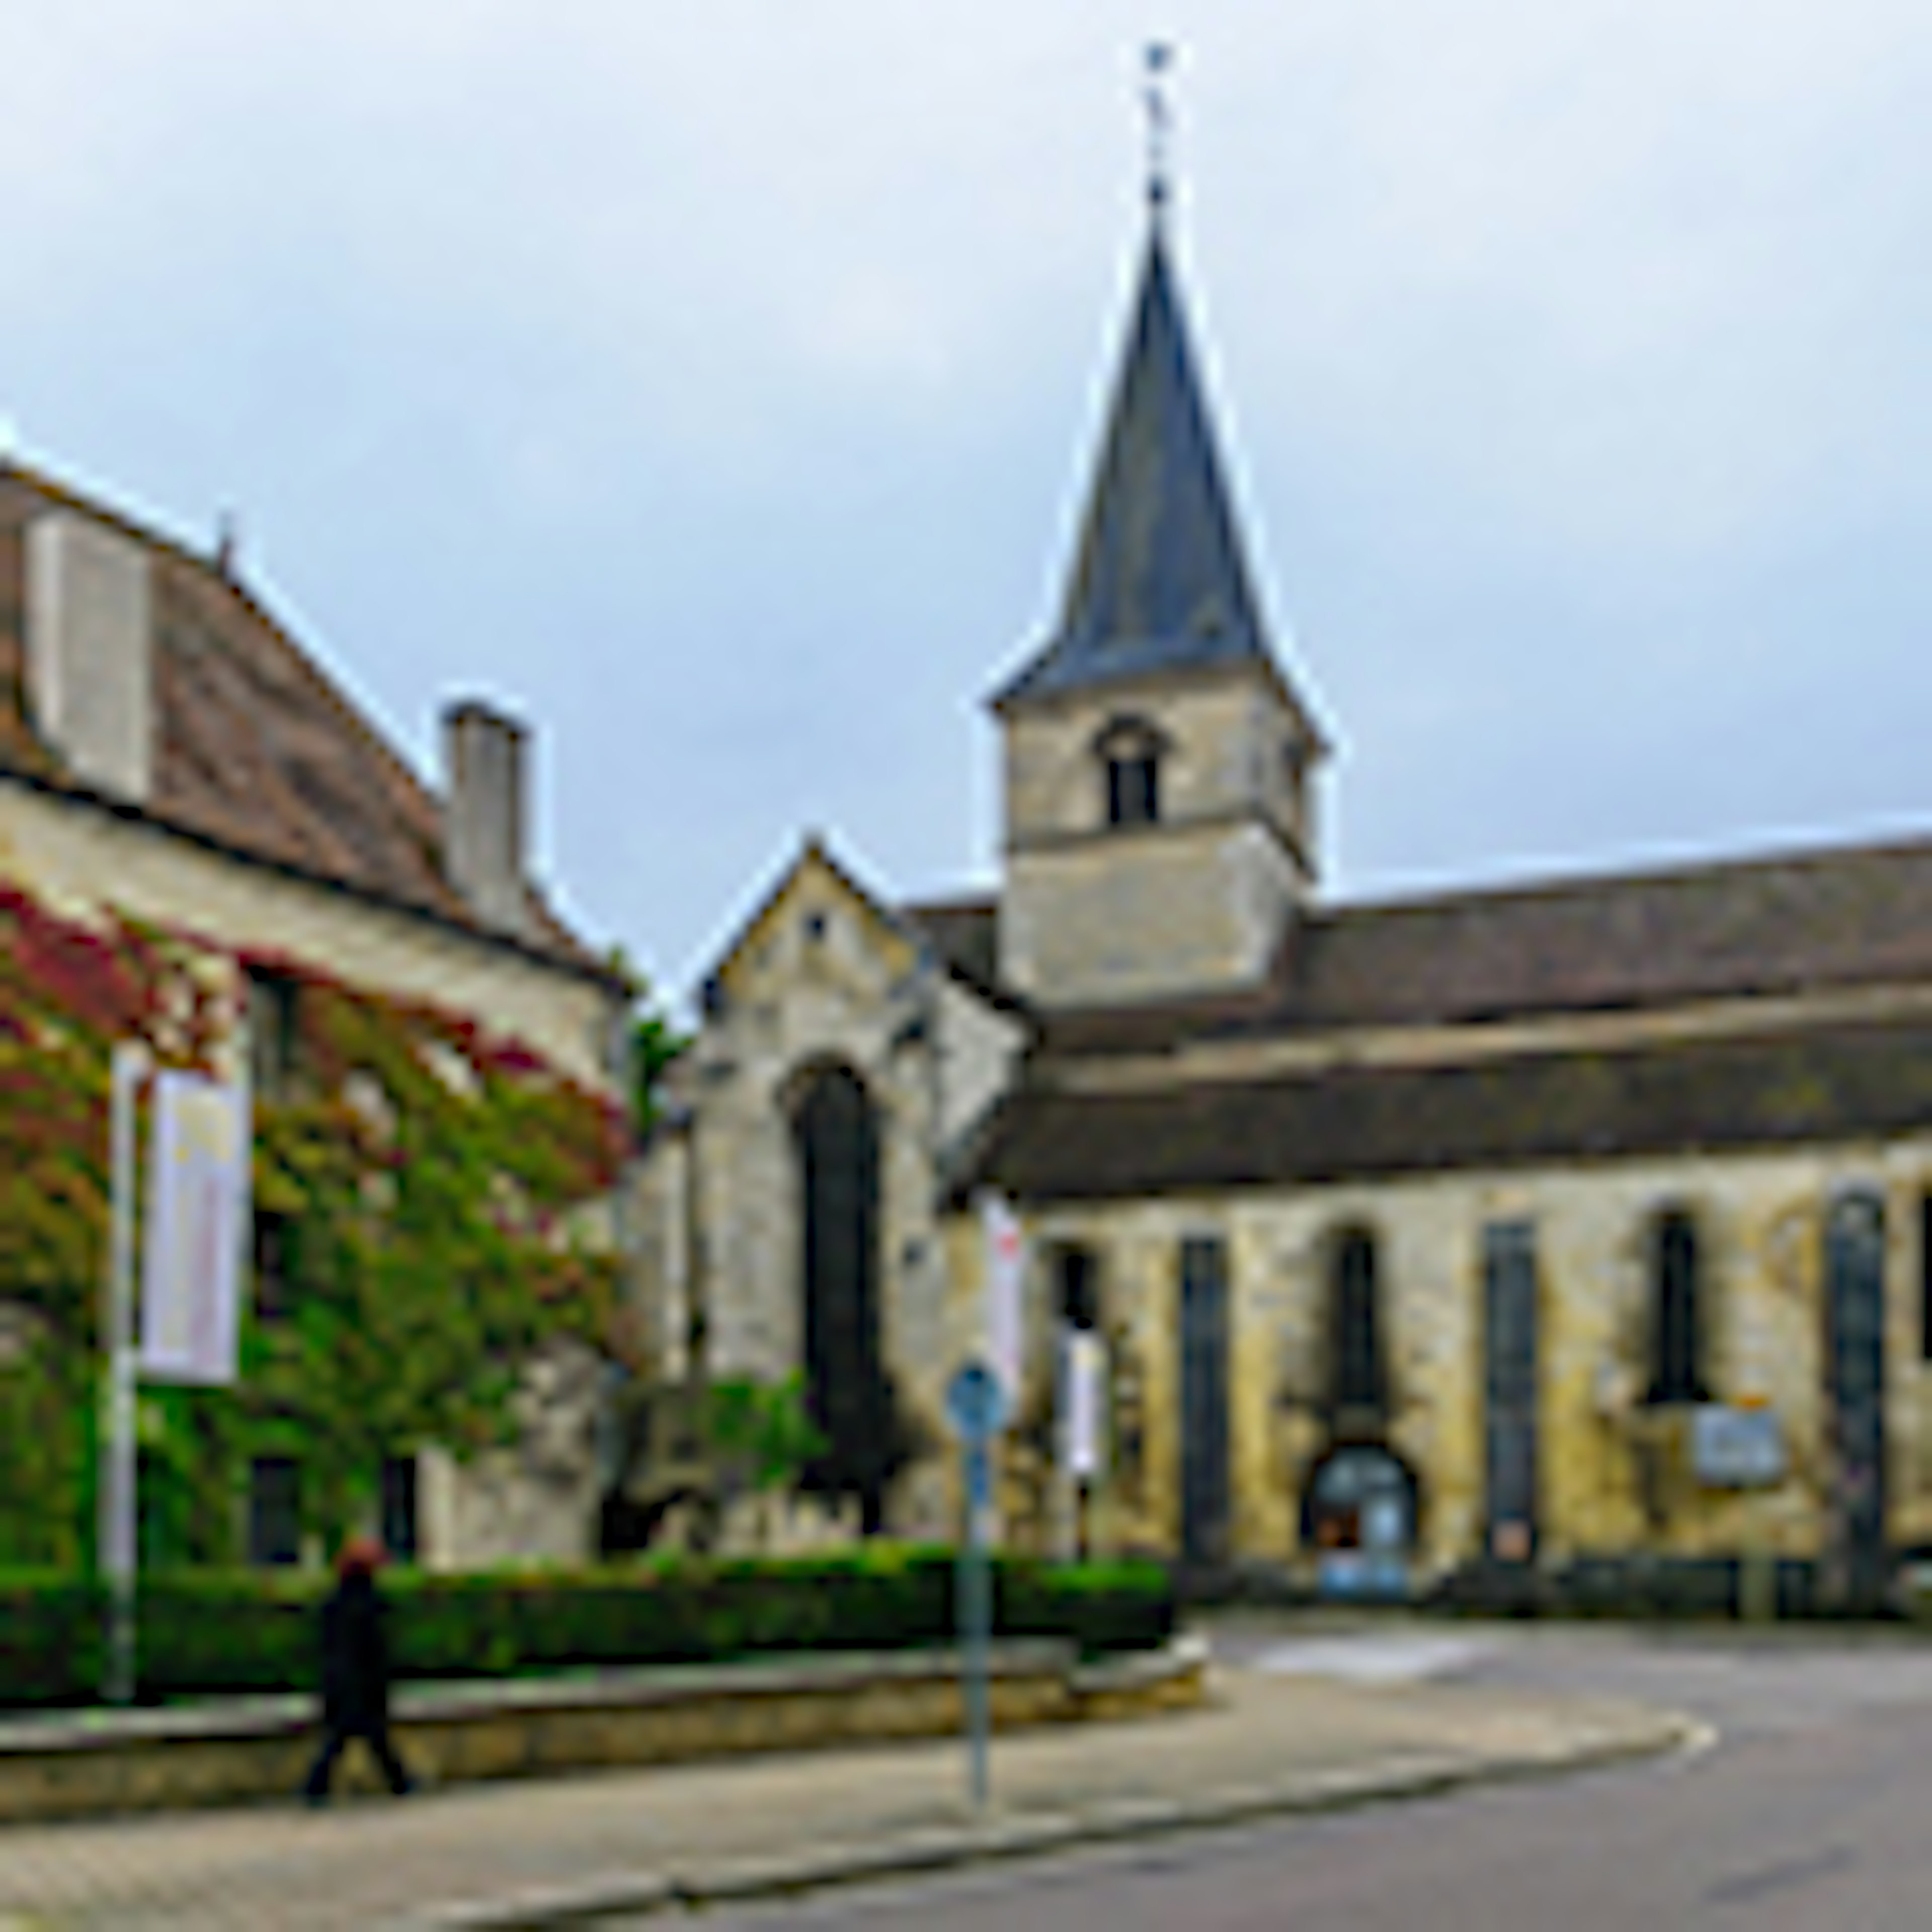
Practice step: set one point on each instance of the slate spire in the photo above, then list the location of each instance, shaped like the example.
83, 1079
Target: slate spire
1160, 582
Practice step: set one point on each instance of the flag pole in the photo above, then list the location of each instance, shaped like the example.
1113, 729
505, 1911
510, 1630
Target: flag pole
117, 1551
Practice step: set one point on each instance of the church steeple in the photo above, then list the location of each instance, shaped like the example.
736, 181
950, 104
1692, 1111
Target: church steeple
1160, 769
1160, 582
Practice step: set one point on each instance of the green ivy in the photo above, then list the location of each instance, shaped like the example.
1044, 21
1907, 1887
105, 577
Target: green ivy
761, 1433
44, 1487
432, 1177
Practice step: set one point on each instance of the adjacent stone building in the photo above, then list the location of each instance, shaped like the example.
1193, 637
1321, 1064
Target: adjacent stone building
175, 771
1499, 1231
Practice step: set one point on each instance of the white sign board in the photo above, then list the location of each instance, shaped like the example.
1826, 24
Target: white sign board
1005, 1260
1083, 1384
198, 1201
1737, 1448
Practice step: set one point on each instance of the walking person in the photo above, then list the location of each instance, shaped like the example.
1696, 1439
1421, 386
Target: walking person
355, 1671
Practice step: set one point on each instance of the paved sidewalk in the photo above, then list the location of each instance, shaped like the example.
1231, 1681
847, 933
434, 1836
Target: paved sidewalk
561, 1850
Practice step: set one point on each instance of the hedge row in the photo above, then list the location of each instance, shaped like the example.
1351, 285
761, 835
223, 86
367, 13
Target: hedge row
232, 1632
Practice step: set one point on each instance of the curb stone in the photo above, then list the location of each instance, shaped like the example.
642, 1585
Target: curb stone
581, 1903
1036, 1833
1032, 1833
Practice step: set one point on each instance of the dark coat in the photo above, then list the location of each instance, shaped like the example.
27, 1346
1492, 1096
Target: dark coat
355, 1655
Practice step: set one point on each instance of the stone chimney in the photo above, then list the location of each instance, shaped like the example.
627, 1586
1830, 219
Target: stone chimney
483, 814
90, 651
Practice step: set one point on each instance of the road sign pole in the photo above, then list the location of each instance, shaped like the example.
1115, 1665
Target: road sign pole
975, 1621
976, 1405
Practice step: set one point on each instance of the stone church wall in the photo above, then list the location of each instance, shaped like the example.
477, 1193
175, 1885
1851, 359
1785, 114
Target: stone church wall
1614, 1475
1198, 901
821, 980
1146, 912
978, 1049
1226, 735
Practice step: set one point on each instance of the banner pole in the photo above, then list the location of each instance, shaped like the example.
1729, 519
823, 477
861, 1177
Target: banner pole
118, 1553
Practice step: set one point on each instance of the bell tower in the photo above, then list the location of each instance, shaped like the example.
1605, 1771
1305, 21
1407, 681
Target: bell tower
1159, 766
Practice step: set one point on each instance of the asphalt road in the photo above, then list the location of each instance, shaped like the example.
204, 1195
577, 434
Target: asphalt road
1812, 1813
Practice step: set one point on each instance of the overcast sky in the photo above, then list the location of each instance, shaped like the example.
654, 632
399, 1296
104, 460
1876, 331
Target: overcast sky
716, 387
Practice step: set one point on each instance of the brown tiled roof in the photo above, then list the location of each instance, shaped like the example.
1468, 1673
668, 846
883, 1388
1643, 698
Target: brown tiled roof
1736, 1093
255, 749
1795, 923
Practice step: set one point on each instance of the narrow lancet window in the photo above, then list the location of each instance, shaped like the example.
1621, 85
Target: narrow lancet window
1358, 1381
1677, 1319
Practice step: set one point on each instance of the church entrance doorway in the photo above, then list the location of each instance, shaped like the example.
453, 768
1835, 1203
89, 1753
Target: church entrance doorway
1856, 1562
836, 1128
1360, 1514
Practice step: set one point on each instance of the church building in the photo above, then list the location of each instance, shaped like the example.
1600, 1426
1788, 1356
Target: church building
1519, 1230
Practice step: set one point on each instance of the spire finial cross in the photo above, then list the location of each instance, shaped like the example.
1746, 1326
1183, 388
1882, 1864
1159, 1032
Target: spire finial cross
1156, 61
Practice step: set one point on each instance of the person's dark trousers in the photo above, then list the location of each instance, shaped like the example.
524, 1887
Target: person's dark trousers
375, 1733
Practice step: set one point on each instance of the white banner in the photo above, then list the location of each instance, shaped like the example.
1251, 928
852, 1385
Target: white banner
198, 1204
1083, 1447
1006, 1258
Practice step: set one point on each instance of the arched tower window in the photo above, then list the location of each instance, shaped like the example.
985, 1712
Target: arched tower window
1130, 750
1677, 1315
1358, 1378
836, 1132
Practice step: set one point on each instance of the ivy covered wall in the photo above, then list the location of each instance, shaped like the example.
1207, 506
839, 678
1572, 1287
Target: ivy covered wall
433, 1201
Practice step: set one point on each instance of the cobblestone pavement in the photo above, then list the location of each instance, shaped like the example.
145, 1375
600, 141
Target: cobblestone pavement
469, 1855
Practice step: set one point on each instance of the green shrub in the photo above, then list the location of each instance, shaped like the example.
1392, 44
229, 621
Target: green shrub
219, 1632
51, 1630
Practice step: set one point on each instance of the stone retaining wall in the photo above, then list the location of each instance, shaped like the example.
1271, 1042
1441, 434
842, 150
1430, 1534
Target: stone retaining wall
247, 1750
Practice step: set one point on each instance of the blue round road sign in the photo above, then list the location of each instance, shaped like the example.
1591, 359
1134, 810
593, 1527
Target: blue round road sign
975, 1402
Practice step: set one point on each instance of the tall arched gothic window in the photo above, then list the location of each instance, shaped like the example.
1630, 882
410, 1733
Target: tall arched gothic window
836, 1132
1677, 1315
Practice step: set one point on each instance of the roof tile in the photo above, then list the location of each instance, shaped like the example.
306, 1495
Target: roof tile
1354, 1123
256, 748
